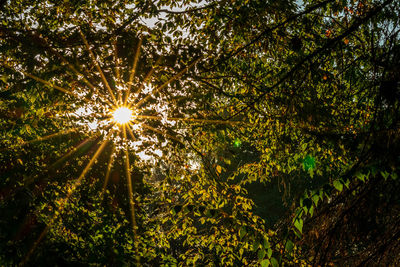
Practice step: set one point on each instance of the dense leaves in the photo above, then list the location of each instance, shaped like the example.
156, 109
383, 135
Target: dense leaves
270, 129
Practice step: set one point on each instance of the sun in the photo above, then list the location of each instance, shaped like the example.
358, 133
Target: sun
122, 115
125, 109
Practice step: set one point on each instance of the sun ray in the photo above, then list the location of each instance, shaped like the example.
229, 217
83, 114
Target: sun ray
72, 67
105, 99
60, 160
188, 119
109, 166
117, 65
137, 54
130, 131
117, 72
130, 192
97, 65
124, 128
34, 246
64, 201
173, 78
92, 161
73, 150
161, 132
146, 78
47, 83
46, 137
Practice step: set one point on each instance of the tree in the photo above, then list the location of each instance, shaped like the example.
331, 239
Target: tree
225, 96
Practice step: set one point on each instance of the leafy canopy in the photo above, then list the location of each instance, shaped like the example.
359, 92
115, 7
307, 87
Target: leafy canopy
260, 132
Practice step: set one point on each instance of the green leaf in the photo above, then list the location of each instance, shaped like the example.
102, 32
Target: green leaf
256, 245
347, 183
298, 223
338, 185
4, 78
361, 176
242, 232
237, 143
265, 263
266, 243
309, 163
385, 174
274, 262
261, 254
269, 252
315, 199
297, 234
289, 246
311, 211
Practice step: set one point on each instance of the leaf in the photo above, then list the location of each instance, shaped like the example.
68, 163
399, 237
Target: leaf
360, 176
338, 185
3, 78
256, 245
219, 169
315, 199
227, 161
274, 262
237, 143
265, 263
311, 211
242, 232
261, 254
289, 246
385, 174
298, 223
309, 164
347, 183
269, 252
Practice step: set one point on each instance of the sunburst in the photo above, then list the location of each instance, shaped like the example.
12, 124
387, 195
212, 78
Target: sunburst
122, 116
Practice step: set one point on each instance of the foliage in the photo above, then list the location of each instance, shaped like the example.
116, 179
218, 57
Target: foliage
297, 99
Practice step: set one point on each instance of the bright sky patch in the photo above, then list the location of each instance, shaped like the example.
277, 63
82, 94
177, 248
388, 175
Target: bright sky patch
122, 115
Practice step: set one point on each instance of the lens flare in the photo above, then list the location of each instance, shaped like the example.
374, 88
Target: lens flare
122, 115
